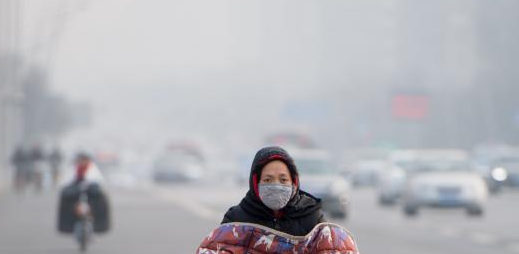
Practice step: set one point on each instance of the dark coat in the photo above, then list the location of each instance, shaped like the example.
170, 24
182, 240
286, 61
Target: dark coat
298, 218
97, 199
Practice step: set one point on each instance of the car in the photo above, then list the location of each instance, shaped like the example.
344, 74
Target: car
506, 169
179, 163
391, 185
321, 179
494, 176
291, 139
392, 180
499, 166
367, 172
445, 179
402, 164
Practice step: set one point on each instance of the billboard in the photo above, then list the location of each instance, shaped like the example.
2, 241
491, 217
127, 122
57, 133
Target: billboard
410, 106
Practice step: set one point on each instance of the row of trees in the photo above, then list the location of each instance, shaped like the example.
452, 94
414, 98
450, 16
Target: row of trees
31, 112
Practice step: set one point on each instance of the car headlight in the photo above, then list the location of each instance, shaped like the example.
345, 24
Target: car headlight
499, 174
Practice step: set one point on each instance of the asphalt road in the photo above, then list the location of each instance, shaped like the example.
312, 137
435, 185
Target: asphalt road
174, 219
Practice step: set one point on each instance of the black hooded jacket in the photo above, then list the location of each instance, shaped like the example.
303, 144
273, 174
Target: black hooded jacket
298, 217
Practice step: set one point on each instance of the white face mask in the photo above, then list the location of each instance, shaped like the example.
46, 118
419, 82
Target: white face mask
275, 196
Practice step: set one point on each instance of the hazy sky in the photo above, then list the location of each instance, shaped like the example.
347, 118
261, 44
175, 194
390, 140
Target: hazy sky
235, 66
140, 45
182, 66
200, 66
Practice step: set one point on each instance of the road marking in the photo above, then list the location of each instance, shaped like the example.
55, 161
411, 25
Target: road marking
483, 238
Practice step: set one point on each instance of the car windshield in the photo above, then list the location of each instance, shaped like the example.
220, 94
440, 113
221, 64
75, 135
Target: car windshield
511, 164
434, 165
314, 167
447, 165
408, 166
508, 160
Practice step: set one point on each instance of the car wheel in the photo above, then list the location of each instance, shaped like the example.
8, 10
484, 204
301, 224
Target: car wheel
493, 188
410, 210
475, 211
386, 201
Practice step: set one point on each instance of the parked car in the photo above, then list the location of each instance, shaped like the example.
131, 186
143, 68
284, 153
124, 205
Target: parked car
321, 179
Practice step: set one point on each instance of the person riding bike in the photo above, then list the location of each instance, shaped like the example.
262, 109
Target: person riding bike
84, 187
275, 216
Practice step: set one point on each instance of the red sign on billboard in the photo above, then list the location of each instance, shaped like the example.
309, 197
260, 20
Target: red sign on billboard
410, 106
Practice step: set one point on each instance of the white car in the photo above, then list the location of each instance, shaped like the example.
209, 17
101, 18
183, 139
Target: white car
446, 183
320, 179
367, 172
392, 181
405, 163
391, 185
178, 164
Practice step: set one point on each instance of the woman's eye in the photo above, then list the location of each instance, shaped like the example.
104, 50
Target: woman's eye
266, 180
284, 180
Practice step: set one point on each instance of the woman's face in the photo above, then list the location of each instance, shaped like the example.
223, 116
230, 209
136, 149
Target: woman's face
276, 172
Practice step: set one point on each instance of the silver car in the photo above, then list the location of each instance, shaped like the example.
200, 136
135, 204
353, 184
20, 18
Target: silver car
405, 163
178, 165
367, 172
392, 181
319, 178
446, 182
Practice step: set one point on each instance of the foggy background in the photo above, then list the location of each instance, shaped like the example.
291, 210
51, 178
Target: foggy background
130, 77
